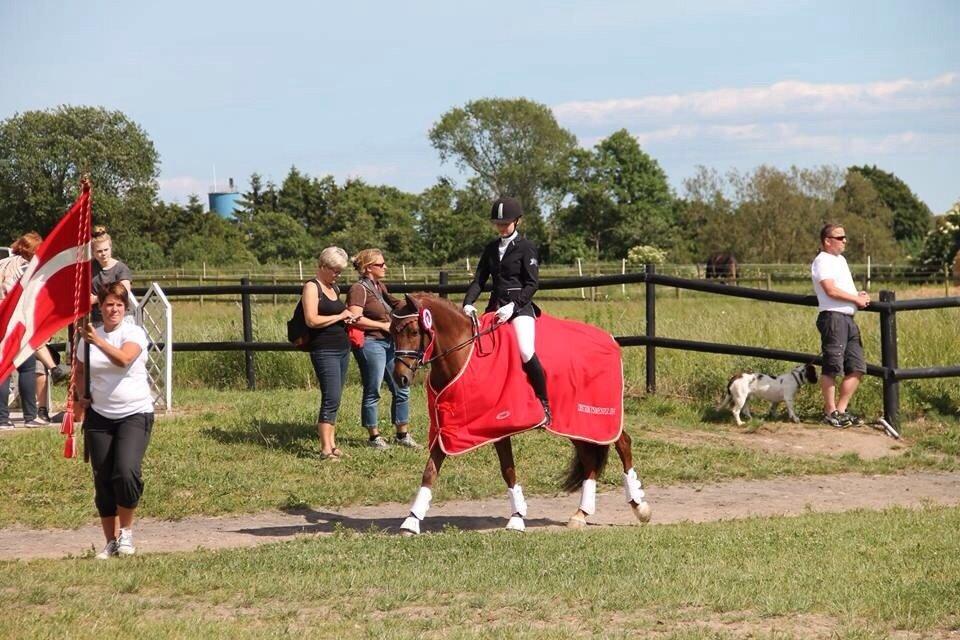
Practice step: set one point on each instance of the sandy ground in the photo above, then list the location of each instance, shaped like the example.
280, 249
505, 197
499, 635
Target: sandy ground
686, 503
787, 438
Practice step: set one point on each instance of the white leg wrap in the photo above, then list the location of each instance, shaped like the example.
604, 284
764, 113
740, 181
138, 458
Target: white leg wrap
588, 497
517, 503
516, 524
410, 525
631, 487
421, 504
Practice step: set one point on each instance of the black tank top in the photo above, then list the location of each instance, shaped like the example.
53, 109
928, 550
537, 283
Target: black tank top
333, 336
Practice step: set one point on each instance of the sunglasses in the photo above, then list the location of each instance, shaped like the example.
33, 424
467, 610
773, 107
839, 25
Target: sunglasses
379, 264
841, 238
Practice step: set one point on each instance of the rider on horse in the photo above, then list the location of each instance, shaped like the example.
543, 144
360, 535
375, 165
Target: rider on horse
512, 262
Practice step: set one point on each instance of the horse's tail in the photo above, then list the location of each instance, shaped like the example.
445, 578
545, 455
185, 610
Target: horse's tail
578, 472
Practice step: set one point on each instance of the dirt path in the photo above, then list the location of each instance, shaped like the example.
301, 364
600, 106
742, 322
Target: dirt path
693, 503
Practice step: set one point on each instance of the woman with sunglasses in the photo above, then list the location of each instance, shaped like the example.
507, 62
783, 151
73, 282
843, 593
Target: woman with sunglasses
840, 343
371, 303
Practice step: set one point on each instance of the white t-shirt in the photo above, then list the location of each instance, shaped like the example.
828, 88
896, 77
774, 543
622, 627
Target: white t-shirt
118, 392
827, 266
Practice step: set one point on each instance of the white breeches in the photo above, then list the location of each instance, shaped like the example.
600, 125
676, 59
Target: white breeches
526, 329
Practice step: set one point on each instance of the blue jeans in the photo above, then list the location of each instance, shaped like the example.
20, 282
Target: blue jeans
27, 385
330, 365
376, 364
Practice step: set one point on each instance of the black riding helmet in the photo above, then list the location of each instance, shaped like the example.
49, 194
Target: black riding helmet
505, 209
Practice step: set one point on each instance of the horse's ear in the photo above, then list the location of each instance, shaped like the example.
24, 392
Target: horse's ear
412, 303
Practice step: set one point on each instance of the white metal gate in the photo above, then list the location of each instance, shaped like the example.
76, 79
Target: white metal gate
155, 315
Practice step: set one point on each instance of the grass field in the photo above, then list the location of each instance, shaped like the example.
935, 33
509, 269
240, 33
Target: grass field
855, 575
226, 451
237, 451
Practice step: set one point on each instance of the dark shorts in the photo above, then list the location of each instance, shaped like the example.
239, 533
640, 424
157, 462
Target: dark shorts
840, 344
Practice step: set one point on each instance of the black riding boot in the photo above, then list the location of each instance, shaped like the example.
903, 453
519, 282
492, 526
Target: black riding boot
538, 380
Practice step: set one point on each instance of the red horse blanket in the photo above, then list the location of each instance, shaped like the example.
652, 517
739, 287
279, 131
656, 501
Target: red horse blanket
491, 398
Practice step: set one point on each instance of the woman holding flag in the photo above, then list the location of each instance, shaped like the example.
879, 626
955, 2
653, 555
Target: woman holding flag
119, 416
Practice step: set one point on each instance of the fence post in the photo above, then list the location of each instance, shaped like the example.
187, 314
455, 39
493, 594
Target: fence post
889, 359
247, 333
623, 271
444, 279
583, 292
651, 351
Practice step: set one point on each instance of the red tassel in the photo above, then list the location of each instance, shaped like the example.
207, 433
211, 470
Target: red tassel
66, 428
70, 447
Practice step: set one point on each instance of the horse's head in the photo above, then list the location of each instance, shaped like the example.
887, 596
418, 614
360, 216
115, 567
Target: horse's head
425, 328
409, 340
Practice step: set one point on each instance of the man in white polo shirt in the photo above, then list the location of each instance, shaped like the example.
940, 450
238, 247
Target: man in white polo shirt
842, 348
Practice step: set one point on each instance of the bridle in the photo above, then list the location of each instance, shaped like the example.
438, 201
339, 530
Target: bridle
418, 356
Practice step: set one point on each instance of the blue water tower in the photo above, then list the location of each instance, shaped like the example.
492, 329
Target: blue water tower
224, 203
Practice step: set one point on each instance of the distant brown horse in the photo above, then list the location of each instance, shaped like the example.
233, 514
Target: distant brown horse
723, 266
453, 335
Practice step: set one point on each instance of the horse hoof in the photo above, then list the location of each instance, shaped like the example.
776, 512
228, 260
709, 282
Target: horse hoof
642, 511
577, 521
516, 524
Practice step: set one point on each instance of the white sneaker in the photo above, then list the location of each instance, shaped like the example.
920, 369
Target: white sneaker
109, 551
125, 543
408, 441
6, 425
378, 443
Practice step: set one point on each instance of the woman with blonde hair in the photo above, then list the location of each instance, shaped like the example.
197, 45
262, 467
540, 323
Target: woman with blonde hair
106, 270
327, 319
371, 303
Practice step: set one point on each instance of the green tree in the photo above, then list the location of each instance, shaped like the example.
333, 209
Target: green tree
43, 155
942, 244
275, 236
911, 217
620, 198
866, 220
452, 223
514, 146
365, 216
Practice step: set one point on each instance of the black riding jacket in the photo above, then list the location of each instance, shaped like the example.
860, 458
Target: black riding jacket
515, 278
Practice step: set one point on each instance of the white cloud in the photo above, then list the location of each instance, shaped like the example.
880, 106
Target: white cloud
789, 97
788, 117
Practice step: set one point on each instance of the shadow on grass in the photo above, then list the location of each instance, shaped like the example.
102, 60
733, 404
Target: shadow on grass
328, 522
296, 438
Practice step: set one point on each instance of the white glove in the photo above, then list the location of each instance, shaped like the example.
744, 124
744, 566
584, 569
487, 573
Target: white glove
505, 312
470, 310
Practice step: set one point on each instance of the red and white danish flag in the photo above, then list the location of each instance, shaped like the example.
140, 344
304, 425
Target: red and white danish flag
54, 291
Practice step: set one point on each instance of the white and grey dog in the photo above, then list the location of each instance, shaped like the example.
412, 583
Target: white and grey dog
774, 390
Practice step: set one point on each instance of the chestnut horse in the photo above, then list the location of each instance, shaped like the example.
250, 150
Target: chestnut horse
454, 333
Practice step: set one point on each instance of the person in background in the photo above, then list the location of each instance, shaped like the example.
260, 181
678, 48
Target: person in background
371, 303
840, 343
12, 269
511, 262
327, 318
106, 269
118, 416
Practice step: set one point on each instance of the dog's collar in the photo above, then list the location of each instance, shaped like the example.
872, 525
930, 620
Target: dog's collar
797, 377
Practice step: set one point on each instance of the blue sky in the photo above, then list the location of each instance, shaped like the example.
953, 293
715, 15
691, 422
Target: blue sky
351, 89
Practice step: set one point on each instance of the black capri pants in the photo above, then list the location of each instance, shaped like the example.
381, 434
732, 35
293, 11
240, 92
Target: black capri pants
116, 451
